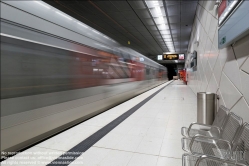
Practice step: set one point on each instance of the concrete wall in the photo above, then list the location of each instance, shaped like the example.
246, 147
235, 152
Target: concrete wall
225, 71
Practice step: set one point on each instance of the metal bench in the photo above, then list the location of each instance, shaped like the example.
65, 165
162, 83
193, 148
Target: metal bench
211, 130
220, 152
193, 160
228, 132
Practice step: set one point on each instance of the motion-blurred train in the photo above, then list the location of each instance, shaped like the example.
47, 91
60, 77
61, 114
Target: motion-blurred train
57, 72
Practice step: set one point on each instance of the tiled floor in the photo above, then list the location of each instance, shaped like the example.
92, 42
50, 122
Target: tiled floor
150, 136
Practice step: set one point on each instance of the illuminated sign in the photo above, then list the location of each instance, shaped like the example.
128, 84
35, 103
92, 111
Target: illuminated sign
159, 57
181, 56
170, 56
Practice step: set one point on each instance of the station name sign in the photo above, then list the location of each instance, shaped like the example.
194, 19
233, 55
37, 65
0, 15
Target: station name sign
170, 57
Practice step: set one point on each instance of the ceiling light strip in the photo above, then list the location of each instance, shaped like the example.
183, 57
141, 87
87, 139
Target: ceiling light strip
155, 9
170, 33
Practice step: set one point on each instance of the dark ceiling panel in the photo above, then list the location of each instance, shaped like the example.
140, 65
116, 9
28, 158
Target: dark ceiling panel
106, 5
148, 22
173, 10
131, 20
136, 22
143, 13
137, 4
174, 19
129, 14
121, 5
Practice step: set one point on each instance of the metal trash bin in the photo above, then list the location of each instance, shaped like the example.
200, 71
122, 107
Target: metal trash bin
206, 107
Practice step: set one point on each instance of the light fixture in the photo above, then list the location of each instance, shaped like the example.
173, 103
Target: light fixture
64, 15
156, 7
42, 4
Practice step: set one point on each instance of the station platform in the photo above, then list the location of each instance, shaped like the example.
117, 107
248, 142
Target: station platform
143, 131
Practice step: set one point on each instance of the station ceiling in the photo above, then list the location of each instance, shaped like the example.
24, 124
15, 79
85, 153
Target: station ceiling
133, 21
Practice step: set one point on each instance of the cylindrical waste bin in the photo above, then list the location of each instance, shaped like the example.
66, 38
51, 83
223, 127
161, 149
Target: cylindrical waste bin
206, 107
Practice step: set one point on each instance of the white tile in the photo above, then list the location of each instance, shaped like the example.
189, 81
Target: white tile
203, 38
212, 85
207, 4
203, 85
109, 141
142, 160
208, 48
212, 29
229, 92
208, 71
116, 158
145, 122
159, 122
217, 72
245, 87
242, 109
156, 131
203, 17
231, 69
138, 131
174, 133
171, 148
245, 66
92, 156
128, 143
166, 161
122, 128
223, 55
150, 145
213, 56
208, 21
215, 39
241, 49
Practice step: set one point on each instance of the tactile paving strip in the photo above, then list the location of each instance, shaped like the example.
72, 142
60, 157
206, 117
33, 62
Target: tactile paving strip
83, 146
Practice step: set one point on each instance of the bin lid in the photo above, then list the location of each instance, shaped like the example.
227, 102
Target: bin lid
206, 95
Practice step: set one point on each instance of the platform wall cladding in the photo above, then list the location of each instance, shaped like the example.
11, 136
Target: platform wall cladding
225, 71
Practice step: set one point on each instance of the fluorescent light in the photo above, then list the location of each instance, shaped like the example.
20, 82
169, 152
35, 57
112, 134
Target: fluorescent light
63, 15
155, 3
168, 36
41, 3
82, 25
156, 9
168, 41
106, 37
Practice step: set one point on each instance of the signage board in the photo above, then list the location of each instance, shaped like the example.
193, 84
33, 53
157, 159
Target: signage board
170, 56
225, 9
233, 21
181, 56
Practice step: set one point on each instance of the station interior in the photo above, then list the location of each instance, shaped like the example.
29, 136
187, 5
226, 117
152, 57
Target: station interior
125, 83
